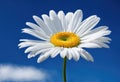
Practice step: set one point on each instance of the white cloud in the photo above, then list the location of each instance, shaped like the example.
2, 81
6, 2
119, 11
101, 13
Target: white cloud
21, 74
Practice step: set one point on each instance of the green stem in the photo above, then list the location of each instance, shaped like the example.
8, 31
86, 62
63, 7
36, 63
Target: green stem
64, 70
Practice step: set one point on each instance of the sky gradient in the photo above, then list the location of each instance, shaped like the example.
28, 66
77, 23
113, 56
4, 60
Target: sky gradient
15, 13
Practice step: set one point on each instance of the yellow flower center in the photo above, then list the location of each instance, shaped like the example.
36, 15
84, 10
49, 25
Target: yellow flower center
65, 39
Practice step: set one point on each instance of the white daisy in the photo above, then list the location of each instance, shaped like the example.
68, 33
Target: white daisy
66, 35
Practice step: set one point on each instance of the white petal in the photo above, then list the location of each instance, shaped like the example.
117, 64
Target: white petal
68, 17
42, 25
86, 55
76, 19
96, 35
27, 43
89, 45
44, 56
49, 23
101, 28
36, 27
29, 40
101, 44
38, 47
103, 40
55, 52
63, 53
35, 33
30, 55
69, 55
56, 21
61, 16
35, 53
87, 25
75, 54
106, 38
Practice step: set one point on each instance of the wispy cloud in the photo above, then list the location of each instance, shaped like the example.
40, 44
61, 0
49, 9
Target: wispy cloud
21, 74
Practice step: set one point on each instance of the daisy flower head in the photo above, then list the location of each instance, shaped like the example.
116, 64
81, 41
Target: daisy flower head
65, 35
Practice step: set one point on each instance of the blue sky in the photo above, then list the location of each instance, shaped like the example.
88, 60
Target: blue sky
14, 14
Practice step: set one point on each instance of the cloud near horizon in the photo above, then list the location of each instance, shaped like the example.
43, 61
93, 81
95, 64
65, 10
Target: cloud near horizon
21, 73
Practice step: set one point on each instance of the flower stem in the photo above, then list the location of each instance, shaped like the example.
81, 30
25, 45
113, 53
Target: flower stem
64, 70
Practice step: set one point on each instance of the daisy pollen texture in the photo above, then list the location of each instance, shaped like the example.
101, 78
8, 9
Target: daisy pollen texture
65, 35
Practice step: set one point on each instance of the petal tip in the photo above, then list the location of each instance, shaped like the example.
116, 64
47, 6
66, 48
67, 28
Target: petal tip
29, 57
79, 10
38, 61
27, 23
92, 60
34, 16
52, 11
